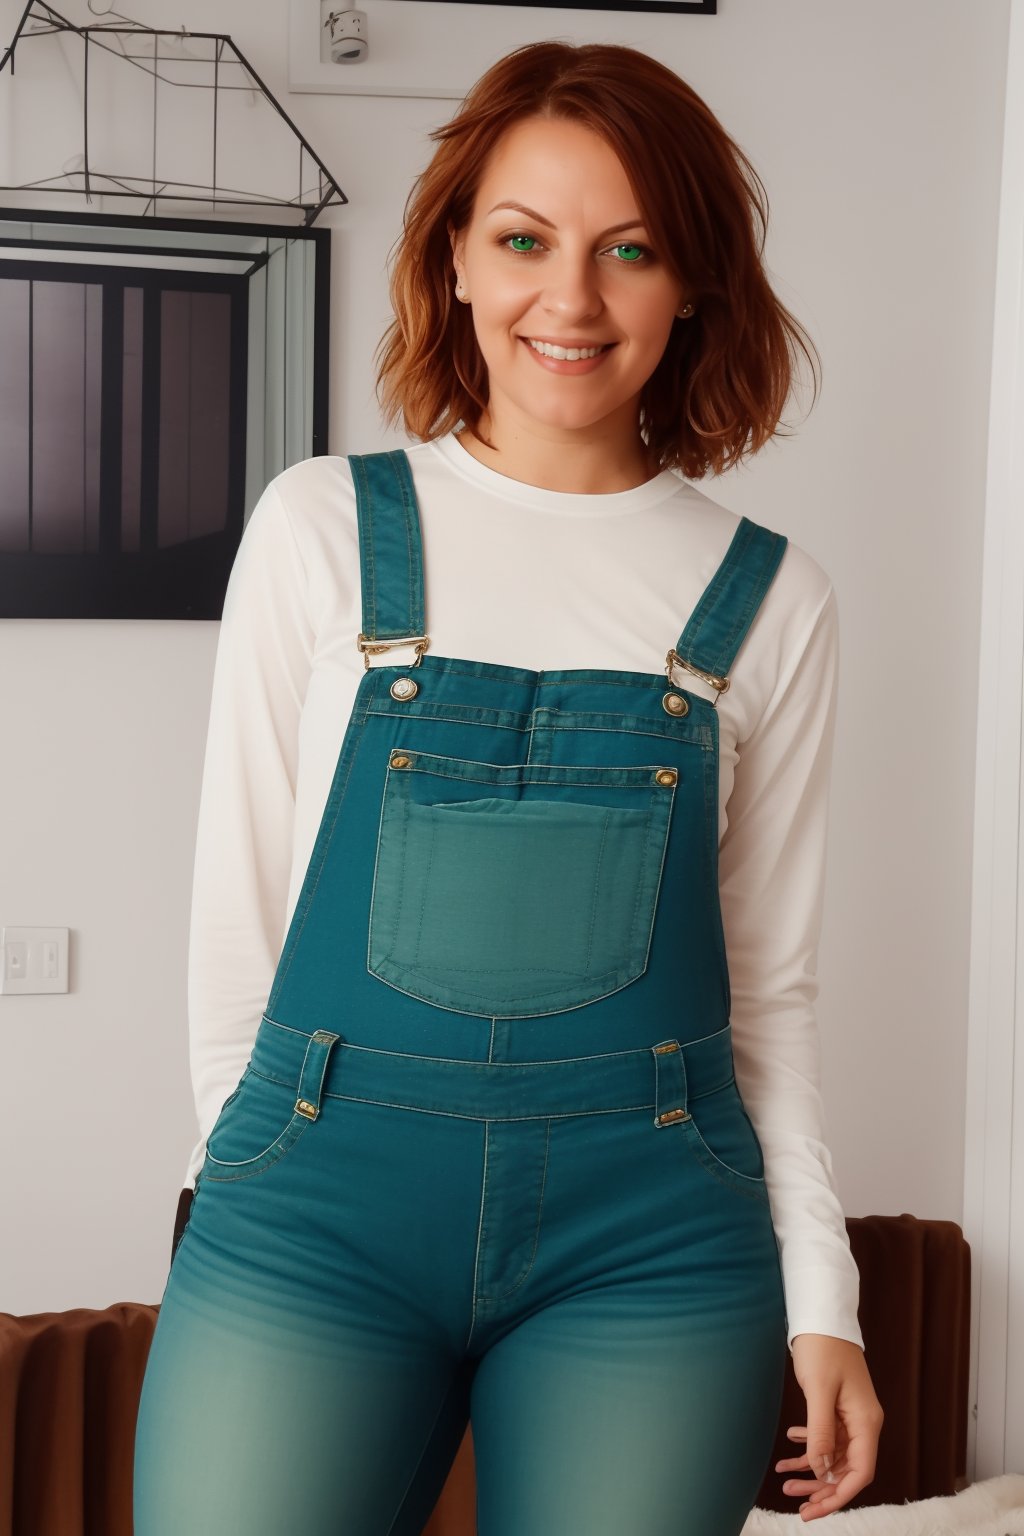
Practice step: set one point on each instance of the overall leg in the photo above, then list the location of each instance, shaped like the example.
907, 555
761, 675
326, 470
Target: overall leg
306, 1370
640, 1386
257, 1422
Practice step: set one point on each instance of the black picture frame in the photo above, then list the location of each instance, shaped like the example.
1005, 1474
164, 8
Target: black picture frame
146, 576
668, 7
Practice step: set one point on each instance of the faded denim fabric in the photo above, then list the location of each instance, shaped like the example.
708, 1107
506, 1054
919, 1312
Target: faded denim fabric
488, 1161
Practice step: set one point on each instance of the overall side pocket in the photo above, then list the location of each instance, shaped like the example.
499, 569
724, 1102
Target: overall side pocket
720, 1136
257, 1125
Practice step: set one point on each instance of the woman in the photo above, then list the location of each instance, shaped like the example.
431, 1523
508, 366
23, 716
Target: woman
507, 1138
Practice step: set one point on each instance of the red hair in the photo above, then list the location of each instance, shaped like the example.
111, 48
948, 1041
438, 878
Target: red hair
718, 393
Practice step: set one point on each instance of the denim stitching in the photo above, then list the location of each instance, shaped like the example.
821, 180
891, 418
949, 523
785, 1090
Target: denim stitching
669, 729
710, 861
642, 883
464, 778
376, 867
660, 876
460, 1061
753, 1187
479, 1231
367, 566
761, 580
597, 889
633, 775
441, 712
249, 1162
731, 560
424, 887
486, 1013
409, 513
490, 1296
753, 584
325, 836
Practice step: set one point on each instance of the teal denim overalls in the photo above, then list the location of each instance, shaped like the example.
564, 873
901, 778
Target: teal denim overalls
488, 1156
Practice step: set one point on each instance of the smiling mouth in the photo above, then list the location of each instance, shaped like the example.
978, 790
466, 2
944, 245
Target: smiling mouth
566, 354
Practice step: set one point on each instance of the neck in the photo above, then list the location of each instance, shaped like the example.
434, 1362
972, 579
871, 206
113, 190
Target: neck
584, 464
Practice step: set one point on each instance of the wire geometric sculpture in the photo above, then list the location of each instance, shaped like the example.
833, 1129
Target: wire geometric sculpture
118, 62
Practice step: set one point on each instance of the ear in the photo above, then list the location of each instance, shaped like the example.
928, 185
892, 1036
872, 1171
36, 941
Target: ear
457, 242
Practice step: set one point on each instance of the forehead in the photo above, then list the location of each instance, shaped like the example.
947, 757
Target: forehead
552, 157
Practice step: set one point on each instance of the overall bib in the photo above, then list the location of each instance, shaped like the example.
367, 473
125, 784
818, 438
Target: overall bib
488, 1157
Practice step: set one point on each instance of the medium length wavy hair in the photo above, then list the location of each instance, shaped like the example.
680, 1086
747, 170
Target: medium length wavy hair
718, 393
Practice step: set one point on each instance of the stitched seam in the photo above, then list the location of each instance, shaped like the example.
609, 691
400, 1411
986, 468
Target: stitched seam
491, 1297
661, 875
723, 1172
264, 1167
596, 894
479, 1229
367, 563
359, 737
469, 778
488, 1012
409, 513
738, 546
760, 582
424, 888
489, 1117
461, 1060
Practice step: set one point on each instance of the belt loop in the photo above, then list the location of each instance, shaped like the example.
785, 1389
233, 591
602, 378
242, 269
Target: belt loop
670, 1077
311, 1078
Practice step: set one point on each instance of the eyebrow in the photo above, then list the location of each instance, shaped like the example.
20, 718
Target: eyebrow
615, 229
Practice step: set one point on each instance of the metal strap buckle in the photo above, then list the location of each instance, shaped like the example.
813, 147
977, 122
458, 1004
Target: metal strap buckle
377, 647
673, 659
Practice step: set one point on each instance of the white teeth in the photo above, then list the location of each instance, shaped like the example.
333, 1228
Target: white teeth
567, 354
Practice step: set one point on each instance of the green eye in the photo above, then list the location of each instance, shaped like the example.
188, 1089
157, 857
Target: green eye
637, 251
514, 238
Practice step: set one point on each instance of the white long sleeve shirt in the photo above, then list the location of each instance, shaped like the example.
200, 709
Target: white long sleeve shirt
517, 574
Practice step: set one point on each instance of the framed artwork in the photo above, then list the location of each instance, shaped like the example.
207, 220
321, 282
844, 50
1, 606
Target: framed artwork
155, 375
698, 7
409, 48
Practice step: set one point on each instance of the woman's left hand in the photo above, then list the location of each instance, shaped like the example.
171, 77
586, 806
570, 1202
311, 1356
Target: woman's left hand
844, 1421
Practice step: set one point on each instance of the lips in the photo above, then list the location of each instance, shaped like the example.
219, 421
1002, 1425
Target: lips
567, 351
580, 346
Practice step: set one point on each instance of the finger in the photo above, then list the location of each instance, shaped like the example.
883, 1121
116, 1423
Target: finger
822, 1450
824, 1501
817, 1487
804, 1488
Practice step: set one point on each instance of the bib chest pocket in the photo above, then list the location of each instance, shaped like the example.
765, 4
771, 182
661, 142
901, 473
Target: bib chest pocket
515, 891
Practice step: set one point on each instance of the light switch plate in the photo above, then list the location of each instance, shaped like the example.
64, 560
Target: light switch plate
33, 960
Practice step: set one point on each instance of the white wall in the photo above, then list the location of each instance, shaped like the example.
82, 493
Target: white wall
876, 129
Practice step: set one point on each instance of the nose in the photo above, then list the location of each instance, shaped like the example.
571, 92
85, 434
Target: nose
572, 288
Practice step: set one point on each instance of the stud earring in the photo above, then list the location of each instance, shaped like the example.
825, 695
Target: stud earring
686, 311
460, 292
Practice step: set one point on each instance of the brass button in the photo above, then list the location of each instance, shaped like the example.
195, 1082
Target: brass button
675, 704
667, 776
404, 688
399, 761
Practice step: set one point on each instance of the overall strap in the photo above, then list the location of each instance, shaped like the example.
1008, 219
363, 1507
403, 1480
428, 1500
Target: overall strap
390, 553
718, 625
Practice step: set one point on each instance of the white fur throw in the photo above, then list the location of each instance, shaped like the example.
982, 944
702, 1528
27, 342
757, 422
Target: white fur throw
993, 1507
